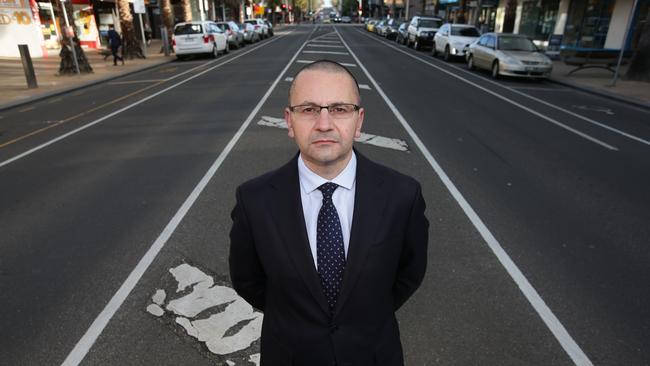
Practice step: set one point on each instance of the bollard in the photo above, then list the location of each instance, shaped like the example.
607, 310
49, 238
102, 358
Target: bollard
28, 67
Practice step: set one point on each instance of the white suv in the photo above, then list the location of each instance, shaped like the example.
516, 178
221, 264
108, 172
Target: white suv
260, 27
454, 39
421, 30
199, 38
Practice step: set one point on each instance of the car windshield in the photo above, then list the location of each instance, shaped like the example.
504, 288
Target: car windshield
253, 22
188, 29
464, 32
516, 44
429, 23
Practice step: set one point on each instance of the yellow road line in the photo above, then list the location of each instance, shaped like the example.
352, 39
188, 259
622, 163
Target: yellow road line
26, 109
78, 115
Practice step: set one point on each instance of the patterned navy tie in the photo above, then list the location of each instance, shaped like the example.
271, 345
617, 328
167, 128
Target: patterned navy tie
329, 246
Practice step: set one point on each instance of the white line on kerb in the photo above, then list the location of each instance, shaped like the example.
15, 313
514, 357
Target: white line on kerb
99, 120
532, 111
97, 327
552, 322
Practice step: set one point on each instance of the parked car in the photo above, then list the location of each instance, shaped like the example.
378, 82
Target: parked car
235, 37
508, 54
454, 39
270, 27
421, 31
380, 27
260, 27
402, 33
370, 26
391, 28
198, 38
250, 36
346, 19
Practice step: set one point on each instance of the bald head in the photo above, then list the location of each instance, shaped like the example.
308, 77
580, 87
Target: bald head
329, 67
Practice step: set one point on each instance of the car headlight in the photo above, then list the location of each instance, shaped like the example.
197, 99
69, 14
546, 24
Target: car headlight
458, 45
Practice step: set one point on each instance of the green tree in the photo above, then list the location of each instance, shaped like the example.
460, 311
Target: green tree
67, 65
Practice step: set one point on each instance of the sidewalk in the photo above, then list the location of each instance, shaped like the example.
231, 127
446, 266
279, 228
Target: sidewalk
13, 85
598, 81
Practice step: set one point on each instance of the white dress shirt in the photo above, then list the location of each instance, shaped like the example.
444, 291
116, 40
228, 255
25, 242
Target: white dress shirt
312, 200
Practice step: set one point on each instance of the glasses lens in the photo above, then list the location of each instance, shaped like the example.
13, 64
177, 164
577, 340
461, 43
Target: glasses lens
336, 111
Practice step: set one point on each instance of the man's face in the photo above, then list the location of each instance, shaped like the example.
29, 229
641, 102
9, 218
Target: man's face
324, 141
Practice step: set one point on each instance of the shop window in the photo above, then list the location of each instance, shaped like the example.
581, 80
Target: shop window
588, 23
538, 18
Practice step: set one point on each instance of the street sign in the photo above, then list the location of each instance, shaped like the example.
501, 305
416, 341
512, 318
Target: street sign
138, 7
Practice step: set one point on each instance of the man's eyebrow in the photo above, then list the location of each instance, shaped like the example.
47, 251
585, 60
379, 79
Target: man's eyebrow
308, 102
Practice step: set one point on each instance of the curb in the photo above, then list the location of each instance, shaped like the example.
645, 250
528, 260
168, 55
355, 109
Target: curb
38, 97
617, 97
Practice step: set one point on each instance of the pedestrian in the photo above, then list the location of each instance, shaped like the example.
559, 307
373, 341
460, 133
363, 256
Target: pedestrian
331, 244
114, 42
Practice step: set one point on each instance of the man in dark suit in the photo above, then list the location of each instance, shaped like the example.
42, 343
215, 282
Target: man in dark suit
330, 245
114, 42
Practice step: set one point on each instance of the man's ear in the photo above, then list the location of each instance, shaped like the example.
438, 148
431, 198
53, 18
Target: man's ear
357, 131
287, 119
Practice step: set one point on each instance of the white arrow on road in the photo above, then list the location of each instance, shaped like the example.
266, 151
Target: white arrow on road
365, 138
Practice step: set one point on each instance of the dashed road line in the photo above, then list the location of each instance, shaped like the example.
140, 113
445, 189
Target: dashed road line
324, 45
311, 61
136, 81
364, 86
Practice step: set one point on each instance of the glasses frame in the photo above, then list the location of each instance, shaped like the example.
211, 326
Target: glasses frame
320, 107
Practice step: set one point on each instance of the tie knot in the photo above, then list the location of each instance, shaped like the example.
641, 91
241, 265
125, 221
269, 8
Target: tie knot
328, 189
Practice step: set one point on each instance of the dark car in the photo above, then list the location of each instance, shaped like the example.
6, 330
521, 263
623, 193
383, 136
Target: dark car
390, 31
402, 33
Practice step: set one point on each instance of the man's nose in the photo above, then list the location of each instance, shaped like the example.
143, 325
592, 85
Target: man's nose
324, 122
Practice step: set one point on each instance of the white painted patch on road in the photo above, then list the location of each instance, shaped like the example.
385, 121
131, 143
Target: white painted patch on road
310, 61
594, 108
289, 79
327, 52
324, 45
365, 138
159, 297
255, 359
364, 86
325, 41
232, 326
155, 310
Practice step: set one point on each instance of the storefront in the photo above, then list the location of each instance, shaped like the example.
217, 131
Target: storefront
538, 18
19, 24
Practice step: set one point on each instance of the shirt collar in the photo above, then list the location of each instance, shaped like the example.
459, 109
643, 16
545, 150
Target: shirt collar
310, 181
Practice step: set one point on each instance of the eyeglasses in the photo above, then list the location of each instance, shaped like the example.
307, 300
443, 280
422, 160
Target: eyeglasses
336, 111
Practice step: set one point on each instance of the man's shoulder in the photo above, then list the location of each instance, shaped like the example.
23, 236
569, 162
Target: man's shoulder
392, 177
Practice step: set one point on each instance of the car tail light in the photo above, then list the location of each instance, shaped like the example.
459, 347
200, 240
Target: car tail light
173, 41
208, 39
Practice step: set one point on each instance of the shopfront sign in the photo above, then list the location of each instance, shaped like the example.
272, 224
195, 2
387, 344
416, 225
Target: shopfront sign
17, 19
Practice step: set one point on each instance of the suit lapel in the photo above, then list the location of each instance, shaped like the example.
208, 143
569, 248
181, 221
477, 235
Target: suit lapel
287, 213
369, 202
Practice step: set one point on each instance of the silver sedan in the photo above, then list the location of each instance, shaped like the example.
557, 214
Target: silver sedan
509, 55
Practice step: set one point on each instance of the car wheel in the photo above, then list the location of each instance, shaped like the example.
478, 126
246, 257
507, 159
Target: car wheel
180, 57
446, 56
215, 51
434, 51
227, 50
495, 69
470, 62
416, 45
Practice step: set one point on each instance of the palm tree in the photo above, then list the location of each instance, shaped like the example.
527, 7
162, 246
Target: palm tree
167, 19
186, 7
67, 65
130, 45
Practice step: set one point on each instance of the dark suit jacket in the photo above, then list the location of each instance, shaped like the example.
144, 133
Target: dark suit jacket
271, 266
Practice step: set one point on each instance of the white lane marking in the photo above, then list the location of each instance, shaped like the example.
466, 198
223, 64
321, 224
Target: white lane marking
288, 78
327, 52
255, 359
552, 322
101, 119
532, 111
312, 61
135, 81
532, 88
365, 138
97, 327
594, 108
325, 41
324, 45
364, 86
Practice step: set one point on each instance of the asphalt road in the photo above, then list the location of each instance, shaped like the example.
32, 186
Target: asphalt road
537, 195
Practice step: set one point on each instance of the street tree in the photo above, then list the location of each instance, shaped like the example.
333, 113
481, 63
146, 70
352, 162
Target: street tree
67, 65
186, 11
131, 47
639, 68
167, 16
